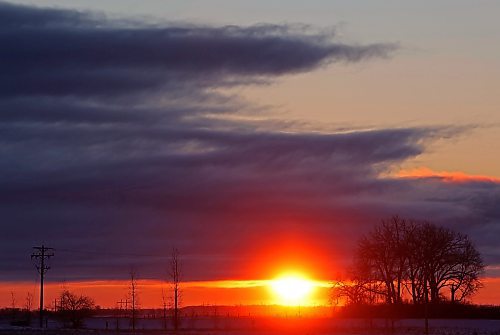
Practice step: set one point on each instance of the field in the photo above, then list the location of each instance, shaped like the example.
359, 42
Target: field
271, 326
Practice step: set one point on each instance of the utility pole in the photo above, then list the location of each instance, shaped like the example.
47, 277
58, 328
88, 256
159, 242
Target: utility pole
120, 313
121, 303
40, 255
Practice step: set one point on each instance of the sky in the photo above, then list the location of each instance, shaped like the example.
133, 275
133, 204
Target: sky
254, 137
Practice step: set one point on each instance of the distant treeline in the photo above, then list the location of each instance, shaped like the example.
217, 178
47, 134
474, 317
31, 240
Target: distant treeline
379, 311
411, 311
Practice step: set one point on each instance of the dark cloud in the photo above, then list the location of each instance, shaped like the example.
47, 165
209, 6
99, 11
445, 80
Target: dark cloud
55, 52
116, 141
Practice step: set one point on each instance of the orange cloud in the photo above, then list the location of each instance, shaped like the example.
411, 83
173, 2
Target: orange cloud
446, 176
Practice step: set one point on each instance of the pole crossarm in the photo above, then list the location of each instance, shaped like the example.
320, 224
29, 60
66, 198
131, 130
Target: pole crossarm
40, 256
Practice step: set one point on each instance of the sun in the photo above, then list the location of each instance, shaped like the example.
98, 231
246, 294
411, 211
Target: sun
292, 289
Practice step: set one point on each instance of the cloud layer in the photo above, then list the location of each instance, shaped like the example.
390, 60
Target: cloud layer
117, 145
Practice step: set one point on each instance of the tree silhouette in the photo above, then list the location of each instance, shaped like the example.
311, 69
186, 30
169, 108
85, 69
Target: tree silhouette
418, 257
174, 272
358, 290
382, 256
133, 297
73, 309
449, 260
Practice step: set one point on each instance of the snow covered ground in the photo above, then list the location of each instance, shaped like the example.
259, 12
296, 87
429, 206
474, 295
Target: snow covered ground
249, 326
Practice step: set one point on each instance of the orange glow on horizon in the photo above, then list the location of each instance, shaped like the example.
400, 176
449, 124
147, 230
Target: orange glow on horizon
195, 293
107, 293
452, 177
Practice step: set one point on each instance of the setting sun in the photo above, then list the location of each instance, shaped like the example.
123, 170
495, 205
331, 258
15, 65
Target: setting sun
292, 289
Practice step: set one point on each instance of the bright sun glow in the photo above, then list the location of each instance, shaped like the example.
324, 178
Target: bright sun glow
292, 289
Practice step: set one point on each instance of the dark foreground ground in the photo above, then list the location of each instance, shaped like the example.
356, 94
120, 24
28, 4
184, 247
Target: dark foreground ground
270, 326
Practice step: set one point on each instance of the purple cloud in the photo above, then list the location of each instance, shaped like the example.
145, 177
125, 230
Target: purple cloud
109, 146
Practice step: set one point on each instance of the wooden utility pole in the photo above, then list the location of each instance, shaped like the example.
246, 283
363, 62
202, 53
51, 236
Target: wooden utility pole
40, 255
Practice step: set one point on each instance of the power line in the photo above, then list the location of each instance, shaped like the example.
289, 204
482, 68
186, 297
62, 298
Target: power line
40, 255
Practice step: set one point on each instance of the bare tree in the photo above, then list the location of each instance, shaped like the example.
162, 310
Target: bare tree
419, 257
174, 273
353, 292
73, 309
382, 256
13, 307
466, 279
12, 300
133, 297
28, 306
358, 288
414, 274
452, 262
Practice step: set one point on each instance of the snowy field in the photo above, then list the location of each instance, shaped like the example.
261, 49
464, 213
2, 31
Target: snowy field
273, 326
